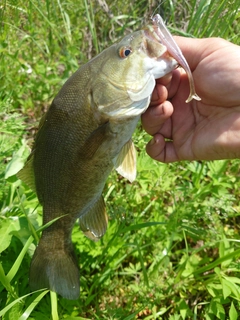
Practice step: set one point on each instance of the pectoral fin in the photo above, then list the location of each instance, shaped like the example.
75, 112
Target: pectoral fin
26, 174
125, 162
94, 222
94, 141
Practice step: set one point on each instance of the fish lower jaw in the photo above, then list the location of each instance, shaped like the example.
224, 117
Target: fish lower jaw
163, 66
169, 60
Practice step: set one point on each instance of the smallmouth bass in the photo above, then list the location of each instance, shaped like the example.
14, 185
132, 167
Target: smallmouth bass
85, 134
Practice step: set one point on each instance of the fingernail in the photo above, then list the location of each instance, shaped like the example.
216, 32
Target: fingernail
152, 142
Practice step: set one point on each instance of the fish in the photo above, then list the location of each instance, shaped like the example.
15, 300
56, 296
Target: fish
85, 133
172, 47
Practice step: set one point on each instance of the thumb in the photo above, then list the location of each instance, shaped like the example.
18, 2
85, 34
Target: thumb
192, 49
195, 50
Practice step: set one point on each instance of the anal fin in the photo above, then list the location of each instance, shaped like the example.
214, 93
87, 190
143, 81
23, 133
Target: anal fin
94, 222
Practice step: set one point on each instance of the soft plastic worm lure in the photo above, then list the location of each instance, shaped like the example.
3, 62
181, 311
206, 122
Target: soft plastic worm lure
175, 51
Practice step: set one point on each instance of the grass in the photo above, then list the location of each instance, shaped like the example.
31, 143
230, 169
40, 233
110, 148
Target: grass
172, 247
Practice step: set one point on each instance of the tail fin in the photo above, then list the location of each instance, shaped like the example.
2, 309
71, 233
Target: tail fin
56, 270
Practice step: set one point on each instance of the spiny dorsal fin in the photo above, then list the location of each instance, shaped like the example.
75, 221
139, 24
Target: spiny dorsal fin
94, 222
26, 174
125, 162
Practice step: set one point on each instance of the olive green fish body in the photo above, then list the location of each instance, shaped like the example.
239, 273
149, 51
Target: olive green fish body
70, 171
84, 134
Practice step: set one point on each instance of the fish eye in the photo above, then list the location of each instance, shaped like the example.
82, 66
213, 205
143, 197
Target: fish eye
124, 52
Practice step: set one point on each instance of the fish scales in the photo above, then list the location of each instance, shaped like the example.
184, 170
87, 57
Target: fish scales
85, 134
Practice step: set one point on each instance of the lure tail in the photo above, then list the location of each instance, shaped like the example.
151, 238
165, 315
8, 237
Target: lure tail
55, 269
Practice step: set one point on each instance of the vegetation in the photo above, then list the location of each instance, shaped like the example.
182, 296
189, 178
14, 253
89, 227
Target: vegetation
172, 247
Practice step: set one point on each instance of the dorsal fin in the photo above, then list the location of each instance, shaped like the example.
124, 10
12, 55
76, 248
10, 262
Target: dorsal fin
125, 162
26, 174
94, 222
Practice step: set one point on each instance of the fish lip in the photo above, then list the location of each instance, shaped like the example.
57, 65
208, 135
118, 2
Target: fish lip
151, 33
167, 56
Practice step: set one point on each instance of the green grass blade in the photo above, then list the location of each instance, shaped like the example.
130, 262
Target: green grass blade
144, 270
4, 280
42, 15
19, 259
91, 23
140, 226
30, 308
76, 318
66, 21
25, 36
45, 226
133, 315
196, 15
33, 231
54, 305
217, 262
210, 27
8, 307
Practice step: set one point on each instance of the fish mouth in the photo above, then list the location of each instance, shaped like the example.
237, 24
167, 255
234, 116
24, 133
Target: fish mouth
154, 47
167, 56
151, 34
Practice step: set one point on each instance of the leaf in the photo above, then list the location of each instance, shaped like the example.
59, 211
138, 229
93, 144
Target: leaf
233, 314
16, 163
13, 226
14, 312
183, 309
232, 279
5, 234
217, 309
221, 249
232, 287
226, 289
214, 289
224, 249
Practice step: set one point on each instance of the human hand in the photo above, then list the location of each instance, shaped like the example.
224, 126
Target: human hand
200, 130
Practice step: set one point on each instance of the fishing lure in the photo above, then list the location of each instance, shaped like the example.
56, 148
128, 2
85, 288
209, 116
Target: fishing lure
167, 39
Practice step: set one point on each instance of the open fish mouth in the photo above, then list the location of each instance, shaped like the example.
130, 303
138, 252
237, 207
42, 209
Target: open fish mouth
152, 47
151, 34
